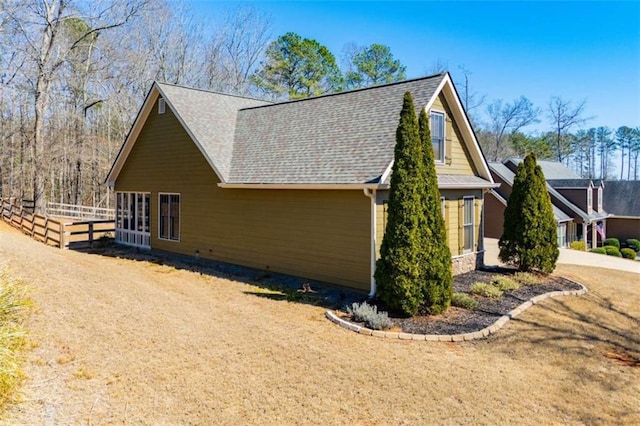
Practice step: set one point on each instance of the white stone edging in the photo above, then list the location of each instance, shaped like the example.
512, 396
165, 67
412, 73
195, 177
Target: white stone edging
491, 329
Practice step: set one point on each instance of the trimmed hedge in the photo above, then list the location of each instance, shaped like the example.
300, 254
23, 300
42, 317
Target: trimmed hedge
578, 245
599, 250
628, 253
634, 243
612, 242
612, 251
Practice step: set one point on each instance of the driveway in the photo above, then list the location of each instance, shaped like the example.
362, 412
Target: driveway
570, 257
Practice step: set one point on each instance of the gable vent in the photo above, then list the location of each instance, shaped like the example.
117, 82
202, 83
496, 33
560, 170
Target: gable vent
161, 106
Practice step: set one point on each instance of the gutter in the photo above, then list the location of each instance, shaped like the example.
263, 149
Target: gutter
371, 193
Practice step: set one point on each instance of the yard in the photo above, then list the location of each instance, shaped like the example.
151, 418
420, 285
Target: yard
124, 341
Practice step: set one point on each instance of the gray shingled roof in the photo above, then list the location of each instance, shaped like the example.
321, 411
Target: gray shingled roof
551, 169
569, 183
343, 138
211, 118
622, 198
507, 175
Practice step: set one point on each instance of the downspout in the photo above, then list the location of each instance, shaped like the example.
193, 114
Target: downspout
371, 193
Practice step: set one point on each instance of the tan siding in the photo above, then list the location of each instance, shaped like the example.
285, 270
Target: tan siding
322, 235
461, 163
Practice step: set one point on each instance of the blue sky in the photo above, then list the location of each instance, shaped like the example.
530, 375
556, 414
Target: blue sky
575, 50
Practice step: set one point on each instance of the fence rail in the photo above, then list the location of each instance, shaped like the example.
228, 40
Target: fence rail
74, 211
52, 231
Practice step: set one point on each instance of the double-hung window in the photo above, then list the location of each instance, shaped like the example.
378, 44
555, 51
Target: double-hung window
437, 135
468, 224
169, 217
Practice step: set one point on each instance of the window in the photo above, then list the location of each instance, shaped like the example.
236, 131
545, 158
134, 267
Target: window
443, 206
161, 106
169, 217
132, 218
437, 135
468, 223
562, 235
589, 200
600, 199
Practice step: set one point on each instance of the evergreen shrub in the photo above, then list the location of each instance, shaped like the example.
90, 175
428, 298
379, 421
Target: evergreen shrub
529, 240
578, 245
628, 253
612, 242
634, 243
612, 251
599, 250
463, 300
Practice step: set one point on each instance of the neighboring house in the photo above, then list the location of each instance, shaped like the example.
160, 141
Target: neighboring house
296, 187
622, 199
577, 203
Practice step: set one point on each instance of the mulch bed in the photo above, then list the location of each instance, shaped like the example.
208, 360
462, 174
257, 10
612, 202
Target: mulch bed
458, 320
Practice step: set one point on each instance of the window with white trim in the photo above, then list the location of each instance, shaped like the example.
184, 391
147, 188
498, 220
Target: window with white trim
169, 222
468, 224
161, 106
589, 200
437, 135
600, 199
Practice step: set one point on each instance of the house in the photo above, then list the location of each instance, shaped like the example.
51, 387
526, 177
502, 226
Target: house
579, 214
622, 199
296, 187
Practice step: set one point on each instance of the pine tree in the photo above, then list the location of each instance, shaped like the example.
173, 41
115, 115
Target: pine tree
529, 239
437, 276
400, 269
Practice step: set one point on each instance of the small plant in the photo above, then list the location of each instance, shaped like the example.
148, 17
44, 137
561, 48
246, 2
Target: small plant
578, 245
486, 290
612, 251
527, 278
363, 312
505, 283
463, 300
612, 242
628, 253
599, 250
634, 244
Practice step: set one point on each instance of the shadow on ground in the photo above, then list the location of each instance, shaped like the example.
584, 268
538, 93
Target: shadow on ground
575, 327
271, 285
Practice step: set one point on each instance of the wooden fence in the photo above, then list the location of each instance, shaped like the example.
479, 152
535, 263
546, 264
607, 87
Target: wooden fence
53, 231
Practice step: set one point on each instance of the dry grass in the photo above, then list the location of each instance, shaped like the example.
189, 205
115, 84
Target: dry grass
14, 305
166, 346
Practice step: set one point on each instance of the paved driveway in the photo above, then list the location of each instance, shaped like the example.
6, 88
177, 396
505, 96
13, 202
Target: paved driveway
572, 257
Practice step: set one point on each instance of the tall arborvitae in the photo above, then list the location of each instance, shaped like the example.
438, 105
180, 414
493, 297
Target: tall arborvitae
438, 280
529, 239
400, 269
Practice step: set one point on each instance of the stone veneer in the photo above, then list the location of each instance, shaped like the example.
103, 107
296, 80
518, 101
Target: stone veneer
467, 262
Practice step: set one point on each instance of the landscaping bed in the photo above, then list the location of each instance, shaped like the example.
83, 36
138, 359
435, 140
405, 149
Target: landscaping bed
488, 310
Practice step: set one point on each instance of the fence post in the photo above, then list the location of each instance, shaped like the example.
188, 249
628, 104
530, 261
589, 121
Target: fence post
90, 234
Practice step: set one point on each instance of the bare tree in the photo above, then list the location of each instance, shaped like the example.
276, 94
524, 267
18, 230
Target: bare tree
564, 116
470, 99
39, 27
508, 118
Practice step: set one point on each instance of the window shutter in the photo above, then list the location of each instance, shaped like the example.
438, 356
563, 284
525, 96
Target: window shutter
448, 136
460, 225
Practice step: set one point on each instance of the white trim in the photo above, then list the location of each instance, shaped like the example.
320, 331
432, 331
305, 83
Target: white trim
461, 119
371, 193
132, 237
438, 161
387, 172
179, 216
437, 92
468, 186
340, 186
473, 222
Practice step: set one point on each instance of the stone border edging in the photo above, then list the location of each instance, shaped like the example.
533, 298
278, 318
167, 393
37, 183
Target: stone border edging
491, 329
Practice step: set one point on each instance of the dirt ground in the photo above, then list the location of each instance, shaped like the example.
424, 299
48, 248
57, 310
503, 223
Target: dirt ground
123, 341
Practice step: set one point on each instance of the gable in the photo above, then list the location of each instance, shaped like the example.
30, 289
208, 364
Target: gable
457, 158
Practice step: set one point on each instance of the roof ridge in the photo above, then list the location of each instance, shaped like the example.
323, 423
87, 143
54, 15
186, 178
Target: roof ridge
215, 92
345, 92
